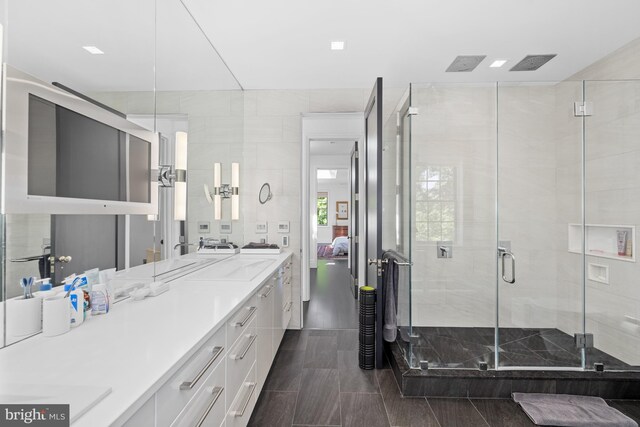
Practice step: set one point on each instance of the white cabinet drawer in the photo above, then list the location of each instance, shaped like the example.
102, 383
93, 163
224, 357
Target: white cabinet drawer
174, 395
288, 267
244, 401
207, 408
286, 315
238, 323
240, 358
264, 326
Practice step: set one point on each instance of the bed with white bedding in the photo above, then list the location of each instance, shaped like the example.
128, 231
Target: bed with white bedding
339, 247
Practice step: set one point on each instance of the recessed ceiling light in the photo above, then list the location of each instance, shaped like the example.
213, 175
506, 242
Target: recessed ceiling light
337, 45
498, 63
93, 50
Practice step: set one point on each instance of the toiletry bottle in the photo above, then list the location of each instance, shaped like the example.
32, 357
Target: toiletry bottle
99, 299
77, 306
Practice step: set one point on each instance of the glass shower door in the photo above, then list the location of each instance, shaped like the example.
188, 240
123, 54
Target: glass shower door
612, 212
539, 268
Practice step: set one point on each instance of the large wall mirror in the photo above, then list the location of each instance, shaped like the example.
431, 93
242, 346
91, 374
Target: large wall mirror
146, 66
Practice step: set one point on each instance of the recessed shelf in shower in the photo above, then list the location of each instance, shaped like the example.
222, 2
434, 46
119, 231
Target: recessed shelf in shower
601, 241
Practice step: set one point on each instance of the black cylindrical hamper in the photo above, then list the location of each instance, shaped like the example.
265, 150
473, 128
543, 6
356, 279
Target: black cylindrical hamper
367, 353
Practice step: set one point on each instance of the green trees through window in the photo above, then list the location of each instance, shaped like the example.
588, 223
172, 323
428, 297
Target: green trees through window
436, 203
322, 208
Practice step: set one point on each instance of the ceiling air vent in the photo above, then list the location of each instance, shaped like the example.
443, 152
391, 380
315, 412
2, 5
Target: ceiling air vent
532, 62
465, 63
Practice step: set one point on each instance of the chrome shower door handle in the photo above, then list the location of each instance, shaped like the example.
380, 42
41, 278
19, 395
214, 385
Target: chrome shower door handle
503, 255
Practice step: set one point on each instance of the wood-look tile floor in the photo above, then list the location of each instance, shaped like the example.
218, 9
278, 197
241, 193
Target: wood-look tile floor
332, 304
315, 381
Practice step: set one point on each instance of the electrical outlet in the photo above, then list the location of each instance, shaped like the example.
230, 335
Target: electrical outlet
285, 241
261, 228
283, 227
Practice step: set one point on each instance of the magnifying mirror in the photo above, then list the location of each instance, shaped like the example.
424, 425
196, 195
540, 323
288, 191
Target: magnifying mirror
265, 193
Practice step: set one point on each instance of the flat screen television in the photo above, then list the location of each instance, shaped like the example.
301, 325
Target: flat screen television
65, 155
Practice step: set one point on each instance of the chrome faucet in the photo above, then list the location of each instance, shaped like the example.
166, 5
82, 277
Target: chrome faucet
445, 249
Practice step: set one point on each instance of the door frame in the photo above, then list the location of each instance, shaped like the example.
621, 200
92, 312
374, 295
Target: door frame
372, 233
315, 127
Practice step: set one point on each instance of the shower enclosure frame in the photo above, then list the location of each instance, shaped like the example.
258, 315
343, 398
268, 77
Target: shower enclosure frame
581, 116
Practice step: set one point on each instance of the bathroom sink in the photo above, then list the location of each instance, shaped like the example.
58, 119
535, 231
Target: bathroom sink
239, 269
219, 250
79, 398
166, 269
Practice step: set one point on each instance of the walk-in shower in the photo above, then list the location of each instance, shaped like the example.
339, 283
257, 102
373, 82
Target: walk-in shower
517, 205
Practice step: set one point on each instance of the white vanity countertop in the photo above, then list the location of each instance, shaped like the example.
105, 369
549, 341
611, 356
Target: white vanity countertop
134, 348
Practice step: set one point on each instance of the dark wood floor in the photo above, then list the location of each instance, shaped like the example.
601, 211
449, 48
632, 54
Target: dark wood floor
315, 380
332, 305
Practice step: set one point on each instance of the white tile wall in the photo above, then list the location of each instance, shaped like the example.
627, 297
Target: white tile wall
216, 134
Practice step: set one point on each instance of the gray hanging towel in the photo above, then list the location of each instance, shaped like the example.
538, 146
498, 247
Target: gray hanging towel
390, 283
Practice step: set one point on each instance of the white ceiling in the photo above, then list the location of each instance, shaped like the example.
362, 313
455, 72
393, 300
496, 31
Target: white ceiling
284, 44
45, 38
342, 178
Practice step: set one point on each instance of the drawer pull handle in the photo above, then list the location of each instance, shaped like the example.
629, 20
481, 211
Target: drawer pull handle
216, 392
244, 352
268, 292
188, 385
250, 311
288, 306
240, 412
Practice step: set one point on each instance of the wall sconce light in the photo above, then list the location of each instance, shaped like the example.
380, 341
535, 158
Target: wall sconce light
176, 177
225, 191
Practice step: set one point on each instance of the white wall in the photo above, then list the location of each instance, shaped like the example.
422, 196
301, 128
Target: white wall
273, 147
215, 128
261, 130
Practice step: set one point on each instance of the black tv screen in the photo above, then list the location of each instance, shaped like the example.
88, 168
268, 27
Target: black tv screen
71, 155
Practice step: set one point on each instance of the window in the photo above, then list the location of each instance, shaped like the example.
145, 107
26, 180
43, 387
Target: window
322, 208
435, 204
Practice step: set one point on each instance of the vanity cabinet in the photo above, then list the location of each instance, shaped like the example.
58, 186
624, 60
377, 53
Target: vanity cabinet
174, 395
266, 346
219, 385
287, 294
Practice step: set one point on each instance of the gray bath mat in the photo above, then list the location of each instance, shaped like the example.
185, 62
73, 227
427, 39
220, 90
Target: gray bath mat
569, 410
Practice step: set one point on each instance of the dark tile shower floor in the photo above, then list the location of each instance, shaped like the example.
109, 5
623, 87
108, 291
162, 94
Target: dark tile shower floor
449, 347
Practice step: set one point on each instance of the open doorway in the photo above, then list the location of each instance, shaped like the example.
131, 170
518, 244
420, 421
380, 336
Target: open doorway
332, 304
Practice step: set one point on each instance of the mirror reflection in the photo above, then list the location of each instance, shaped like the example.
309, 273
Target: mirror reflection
111, 124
